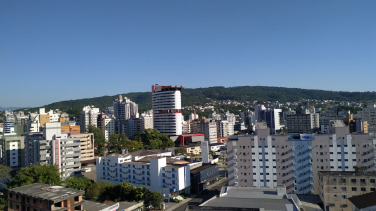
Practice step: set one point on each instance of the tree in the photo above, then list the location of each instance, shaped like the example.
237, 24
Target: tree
48, 174
3, 204
127, 191
5, 175
140, 193
153, 198
77, 183
116, 142
99, 141
153, 139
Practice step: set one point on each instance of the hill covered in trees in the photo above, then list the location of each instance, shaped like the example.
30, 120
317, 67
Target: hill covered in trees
201, 96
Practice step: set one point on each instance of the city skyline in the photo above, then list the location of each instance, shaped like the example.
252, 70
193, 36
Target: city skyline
74, 50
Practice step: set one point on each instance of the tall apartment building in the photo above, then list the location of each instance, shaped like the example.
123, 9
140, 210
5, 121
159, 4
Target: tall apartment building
124, 108
265, 160
134, 126
159, 173
167, 117
335, 187
58, 148
8, 122
303, 123
13, 151
86, 146
369, 114
222, 127
209, 128
89, 116
186, 127
20, 118
31, 139
270, 116
108, 126
147, 119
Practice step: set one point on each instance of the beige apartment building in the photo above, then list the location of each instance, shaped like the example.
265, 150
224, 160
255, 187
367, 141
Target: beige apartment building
335, 187
87, 146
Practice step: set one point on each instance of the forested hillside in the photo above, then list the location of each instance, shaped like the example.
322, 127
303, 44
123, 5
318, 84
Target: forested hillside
200, 96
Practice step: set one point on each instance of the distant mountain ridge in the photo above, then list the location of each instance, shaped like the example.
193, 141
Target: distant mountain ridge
200, 96
10, 108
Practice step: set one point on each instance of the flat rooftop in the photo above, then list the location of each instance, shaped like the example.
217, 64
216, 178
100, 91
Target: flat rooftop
201, 168
94, 206
250, 193
348, 173
266, 204
47, 192
251, 197
147, 152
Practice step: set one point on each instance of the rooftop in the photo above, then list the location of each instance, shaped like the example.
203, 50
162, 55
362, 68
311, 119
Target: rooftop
201, 168
48, 192
147, 152
250, 193
94, 206
359, 171
364, 201
216, 144
267, 204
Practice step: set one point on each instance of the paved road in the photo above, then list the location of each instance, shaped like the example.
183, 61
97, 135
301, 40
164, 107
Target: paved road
199, 199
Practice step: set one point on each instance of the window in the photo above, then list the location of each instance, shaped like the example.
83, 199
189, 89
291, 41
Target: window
372, 180
373, 189
343, 188
353, 180
362, 189
353, 188
362, 181
344, 196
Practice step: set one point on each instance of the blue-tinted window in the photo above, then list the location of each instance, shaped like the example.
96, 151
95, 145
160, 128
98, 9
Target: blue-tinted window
173, 175
173, 182
115, 164
173, 169
164, 181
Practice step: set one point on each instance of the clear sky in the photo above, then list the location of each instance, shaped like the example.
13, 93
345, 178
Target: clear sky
70, 49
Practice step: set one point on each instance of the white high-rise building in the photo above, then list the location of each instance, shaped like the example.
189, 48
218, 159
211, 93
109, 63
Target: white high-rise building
9, 122
108, 126
147, 119
167, 117
89, 116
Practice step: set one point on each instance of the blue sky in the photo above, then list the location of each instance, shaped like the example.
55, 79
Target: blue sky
61, 50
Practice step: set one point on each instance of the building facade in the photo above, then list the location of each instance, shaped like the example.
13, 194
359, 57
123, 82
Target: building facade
108, 127
89, 116
264, 160
167, 117
303, 123
124, 108
156, 172
209, 128
335, 187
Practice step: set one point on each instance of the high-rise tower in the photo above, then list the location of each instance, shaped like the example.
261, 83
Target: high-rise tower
167, 117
